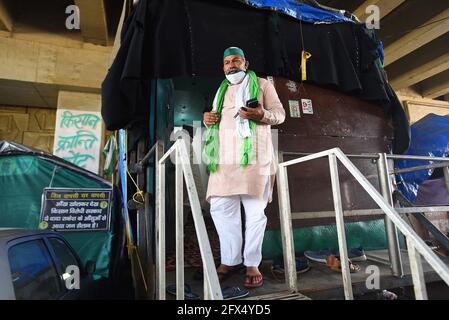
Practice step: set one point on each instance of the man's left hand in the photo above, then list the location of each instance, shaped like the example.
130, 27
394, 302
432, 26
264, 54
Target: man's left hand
252, 113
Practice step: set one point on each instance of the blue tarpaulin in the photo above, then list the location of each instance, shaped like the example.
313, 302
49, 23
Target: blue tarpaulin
429, 137
301, 11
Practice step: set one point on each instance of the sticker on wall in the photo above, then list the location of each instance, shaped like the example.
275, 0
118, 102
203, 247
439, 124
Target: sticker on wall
295, 112
307, 107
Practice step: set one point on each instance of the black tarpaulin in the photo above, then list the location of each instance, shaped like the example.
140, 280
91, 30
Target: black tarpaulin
171, 38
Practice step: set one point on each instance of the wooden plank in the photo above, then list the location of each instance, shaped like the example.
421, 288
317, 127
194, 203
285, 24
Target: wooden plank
422, 72
6, 22
385, 6
422, 35
436, 86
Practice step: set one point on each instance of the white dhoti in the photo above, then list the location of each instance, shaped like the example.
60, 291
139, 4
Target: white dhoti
226, 214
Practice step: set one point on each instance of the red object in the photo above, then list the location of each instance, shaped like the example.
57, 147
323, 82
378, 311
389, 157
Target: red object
249, 284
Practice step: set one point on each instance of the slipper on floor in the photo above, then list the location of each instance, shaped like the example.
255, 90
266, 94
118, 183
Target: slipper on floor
250, 284
335, 264
188, 294
302, 265
230, 293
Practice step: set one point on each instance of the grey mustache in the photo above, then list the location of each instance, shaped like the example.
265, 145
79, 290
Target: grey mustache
235, 70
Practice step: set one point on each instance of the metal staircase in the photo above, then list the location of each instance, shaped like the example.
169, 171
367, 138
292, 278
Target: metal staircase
417, 248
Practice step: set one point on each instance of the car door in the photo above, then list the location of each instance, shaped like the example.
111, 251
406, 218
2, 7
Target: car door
77, 284
33, 271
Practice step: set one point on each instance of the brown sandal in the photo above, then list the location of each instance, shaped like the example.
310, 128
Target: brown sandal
249, 284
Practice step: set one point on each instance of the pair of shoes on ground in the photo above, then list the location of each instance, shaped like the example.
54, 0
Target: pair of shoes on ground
188, 293
277, 269
334, 263
354, 254
229, 293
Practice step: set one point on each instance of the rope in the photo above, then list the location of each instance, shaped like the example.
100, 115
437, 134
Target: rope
139, 192
130, 248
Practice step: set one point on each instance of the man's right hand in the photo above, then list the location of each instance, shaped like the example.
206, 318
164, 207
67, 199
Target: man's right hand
210, 118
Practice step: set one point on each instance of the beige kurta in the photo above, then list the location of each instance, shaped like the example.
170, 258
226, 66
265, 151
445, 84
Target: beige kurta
232, 179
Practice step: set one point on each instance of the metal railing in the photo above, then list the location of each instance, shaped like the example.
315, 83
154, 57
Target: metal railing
416, 246
183, 170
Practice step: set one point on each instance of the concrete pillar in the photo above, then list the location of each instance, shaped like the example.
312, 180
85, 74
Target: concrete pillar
79, 129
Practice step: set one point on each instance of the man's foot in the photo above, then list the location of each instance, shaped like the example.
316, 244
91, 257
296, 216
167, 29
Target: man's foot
223, 272
254, 278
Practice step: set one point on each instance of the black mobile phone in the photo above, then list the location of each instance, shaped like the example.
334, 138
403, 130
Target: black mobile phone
252, 103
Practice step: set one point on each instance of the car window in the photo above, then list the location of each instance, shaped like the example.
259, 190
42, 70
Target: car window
63, 253
33, 273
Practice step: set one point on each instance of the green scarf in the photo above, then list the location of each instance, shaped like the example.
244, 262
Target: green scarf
211, 147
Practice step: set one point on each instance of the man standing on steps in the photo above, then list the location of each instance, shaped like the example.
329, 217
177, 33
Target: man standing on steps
239, 154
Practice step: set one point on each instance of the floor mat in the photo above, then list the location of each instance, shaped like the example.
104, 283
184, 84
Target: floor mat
192, 256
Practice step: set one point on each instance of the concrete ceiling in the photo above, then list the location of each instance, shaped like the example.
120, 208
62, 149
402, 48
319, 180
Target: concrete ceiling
415, 35
49, 43
98, 18
32, 94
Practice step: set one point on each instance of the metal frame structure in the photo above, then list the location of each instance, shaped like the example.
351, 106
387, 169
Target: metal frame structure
183, 171
416, 246
212, 289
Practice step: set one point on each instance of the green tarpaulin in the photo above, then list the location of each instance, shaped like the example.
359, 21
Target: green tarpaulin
22, 180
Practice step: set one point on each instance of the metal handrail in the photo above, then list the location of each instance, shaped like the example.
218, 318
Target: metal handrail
416, 246
375, 156
366, 212
212, 288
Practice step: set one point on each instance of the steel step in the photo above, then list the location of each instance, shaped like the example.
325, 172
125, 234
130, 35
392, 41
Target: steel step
283, 295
